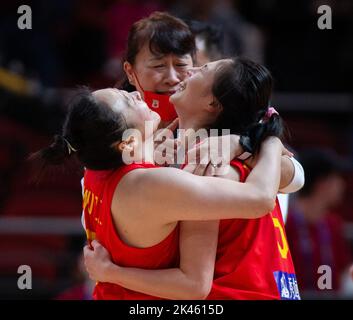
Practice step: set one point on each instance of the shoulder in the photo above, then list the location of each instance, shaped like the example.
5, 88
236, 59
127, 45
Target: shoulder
161, 175
153, 179
159, 187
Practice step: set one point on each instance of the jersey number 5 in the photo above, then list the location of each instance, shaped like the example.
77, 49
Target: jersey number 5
284, 248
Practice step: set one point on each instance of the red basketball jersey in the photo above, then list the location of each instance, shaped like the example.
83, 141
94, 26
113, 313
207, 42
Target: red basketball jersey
253, 258
99, 187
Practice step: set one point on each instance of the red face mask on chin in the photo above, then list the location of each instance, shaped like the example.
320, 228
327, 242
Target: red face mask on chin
159, 103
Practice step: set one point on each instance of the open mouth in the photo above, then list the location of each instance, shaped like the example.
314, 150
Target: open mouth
166, 93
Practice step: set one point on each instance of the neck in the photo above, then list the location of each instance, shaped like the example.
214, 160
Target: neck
189, 123
142, 152
190, 127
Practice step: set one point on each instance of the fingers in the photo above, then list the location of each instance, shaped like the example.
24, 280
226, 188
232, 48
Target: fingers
286, 152
217, 169
207, 169
86, 250
165, 153
88, 255
190, 168
210, 170
203, 160
167, 131
173, 125
165, 146
213, 148
198, 154
95, 244
200, 169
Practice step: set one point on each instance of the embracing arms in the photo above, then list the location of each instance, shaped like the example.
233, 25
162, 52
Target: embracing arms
189, 197
192, 280
292, 172
201, 198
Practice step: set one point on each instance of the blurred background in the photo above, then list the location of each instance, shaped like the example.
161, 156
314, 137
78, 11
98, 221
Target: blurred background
76, 42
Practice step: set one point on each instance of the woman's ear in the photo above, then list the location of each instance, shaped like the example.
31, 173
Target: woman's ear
214, 106
129, 72
126, 145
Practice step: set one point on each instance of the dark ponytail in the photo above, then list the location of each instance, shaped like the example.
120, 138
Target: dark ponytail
56, 153
258, 132
243, 89
90, 131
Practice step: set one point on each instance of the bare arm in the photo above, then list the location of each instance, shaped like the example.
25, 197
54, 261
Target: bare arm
189, 197
287, 172
297, 180
199, 198
291, 170
192, 280
292, 173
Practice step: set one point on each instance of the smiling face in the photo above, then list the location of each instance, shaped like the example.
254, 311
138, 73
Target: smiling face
194, 95
157, 73
131, 105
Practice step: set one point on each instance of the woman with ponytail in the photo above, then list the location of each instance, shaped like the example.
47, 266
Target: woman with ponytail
89, 130
134, 209
253, 260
